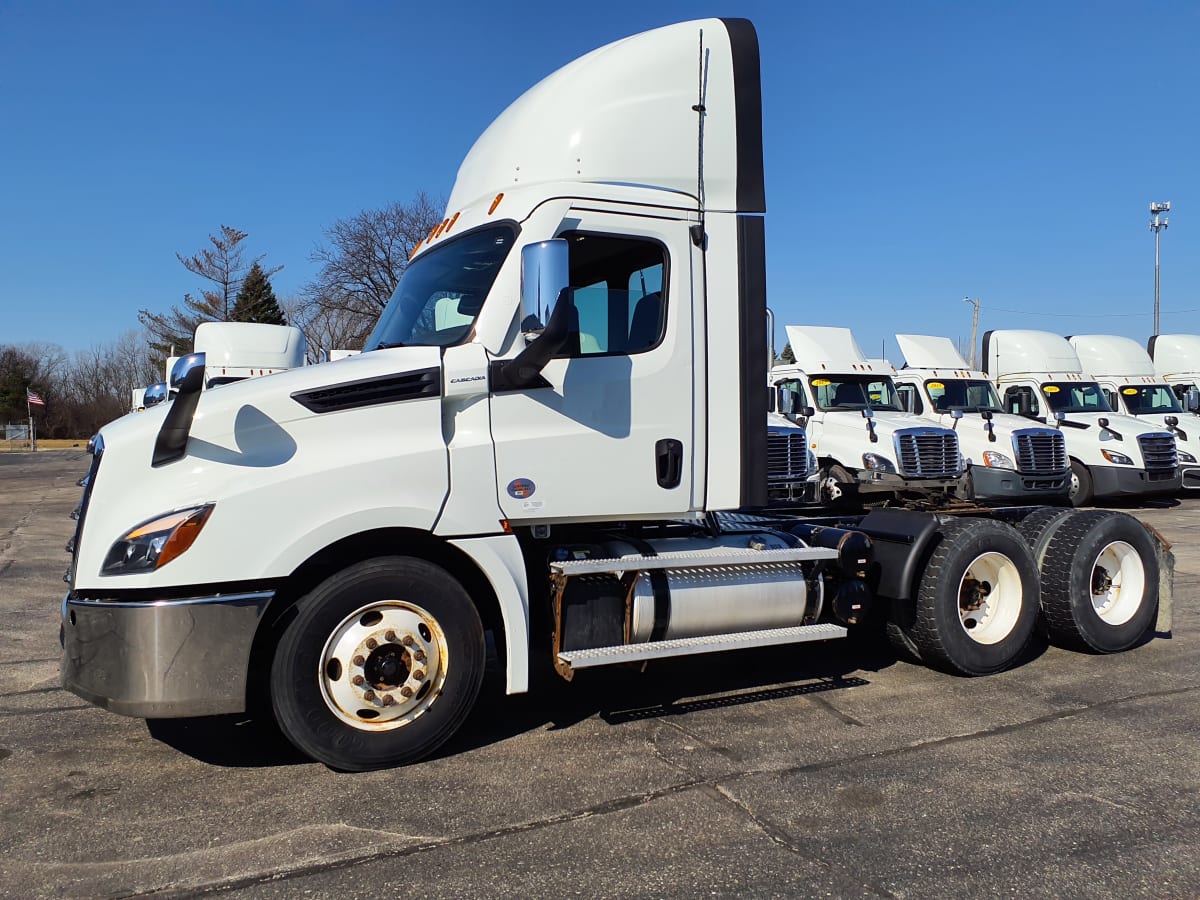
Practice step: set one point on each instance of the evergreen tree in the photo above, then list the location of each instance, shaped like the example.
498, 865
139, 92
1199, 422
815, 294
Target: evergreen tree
256, 300
787, 357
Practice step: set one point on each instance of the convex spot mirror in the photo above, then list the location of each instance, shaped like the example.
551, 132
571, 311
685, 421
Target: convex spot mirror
155, 394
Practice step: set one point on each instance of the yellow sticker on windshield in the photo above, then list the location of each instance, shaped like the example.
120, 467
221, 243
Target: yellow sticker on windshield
936, 386
1050, 388
1130, 391
820, 382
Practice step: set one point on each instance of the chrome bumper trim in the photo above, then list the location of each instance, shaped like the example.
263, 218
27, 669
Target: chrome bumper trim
161, 658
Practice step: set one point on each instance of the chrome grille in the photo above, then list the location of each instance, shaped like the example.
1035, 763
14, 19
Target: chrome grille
927, 452
1040, 451
1158, 452
787, 456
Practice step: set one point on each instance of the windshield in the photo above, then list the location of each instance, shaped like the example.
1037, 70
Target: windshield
970, 396
1143, 399
854, 392
1075, 397
441, 292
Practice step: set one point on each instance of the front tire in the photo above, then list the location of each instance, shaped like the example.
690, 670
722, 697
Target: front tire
1082, 492
977, 602
1100, 579
379, 666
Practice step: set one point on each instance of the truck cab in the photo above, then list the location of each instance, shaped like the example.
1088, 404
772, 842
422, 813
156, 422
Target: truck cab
1011, 459
237, 350
1177, 362
1125, 372
1039, 376
864, 442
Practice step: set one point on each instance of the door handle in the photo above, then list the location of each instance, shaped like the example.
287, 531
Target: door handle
668, 462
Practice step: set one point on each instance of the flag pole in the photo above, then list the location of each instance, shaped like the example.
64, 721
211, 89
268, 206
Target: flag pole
29, 412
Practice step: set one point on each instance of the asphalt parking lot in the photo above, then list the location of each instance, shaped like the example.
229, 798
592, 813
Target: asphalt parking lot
830, 770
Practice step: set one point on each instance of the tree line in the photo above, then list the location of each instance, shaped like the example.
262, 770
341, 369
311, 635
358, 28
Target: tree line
359, 265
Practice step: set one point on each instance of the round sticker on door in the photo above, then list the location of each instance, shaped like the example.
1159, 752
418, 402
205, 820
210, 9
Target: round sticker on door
520, 488
1050, 389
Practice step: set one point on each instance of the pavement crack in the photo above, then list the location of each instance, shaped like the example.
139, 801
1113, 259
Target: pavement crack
784, 840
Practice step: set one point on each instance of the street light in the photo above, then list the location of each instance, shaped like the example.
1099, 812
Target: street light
1157, 224
974, 328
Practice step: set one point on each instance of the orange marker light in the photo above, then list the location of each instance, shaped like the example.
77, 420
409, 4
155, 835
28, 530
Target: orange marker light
453, 219
495, 203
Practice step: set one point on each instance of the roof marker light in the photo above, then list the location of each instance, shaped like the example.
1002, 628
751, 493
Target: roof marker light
495, 203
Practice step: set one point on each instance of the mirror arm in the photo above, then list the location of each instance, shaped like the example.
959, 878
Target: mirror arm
524, 371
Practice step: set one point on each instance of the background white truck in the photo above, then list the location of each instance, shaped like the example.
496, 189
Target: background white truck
1011, 459
237, 350
334, 541
1039, 376
1125, 372
1177, 360
864, 442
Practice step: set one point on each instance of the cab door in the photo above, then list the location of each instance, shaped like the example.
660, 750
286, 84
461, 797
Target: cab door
611, 433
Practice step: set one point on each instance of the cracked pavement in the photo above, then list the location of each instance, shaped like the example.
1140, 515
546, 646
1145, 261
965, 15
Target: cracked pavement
818, 770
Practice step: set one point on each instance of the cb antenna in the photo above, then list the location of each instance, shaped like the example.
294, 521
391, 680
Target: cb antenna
699, 108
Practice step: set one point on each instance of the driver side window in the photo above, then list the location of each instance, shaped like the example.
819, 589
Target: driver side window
619, 291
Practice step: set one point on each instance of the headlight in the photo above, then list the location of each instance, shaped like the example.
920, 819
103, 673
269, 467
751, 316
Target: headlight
994, 459
1119, 458
1185, 457
877, 463
155, 543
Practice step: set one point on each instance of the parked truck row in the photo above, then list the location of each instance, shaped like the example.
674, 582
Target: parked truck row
555, 436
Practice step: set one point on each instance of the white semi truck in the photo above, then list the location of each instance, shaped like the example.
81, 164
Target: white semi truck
560, 402
1125, 372
1038, 375
864, 442
1177, 361
1010, 458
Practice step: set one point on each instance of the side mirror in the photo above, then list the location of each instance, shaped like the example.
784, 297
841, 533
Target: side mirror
771, 399
956, 413
986, 415
187, 370
155, 394
545, 274
1192, 398
808, 411
906, 401
1172, 421
787, 402
1102, 422
187, 381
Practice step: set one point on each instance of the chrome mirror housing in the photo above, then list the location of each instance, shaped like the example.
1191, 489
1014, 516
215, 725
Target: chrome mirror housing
544, 275
155, 394
188, 370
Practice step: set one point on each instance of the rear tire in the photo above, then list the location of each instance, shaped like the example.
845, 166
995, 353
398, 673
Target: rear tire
1082, 492
1038, 527
1100, 578
976, 604
379, 666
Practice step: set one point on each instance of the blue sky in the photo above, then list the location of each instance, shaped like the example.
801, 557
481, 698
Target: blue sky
916, 153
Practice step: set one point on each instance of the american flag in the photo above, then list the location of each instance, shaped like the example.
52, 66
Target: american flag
33, 398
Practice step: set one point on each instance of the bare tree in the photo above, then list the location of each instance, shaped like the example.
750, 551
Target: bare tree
363, 259
225, 267
324, 329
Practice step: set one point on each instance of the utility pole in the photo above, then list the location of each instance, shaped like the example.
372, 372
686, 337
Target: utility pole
974, 331
1157, 224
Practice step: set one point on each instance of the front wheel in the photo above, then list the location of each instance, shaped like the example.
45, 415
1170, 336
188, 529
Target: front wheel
379, 666
1100, 579
1081, 492
977, 602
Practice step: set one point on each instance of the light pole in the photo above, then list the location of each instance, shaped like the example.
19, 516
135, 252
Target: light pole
974, 329
1157, 224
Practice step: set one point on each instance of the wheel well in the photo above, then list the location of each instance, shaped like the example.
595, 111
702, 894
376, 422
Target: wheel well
354, 549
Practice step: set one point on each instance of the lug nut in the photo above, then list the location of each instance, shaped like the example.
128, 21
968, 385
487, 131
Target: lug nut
359, 660
419, 675
419, 656
357, 680
372, 643
408, 640
388, 699
406, 692
369, 696
390, 636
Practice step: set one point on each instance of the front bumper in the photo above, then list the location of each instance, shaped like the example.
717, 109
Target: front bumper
161, 659
1117, 481
1191, 477
1008, 484
868, 481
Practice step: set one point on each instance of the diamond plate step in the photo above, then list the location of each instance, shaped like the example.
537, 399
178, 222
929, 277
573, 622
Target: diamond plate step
605, 656
694, 560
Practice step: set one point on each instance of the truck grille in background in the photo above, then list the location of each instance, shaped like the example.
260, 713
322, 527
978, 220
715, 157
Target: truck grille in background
1040, 452
1158, 452
787, 456
928, 453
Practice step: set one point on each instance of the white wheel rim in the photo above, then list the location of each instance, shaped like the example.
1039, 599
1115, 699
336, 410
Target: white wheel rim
383, 666
990, 598
1118, 583
1074, 489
